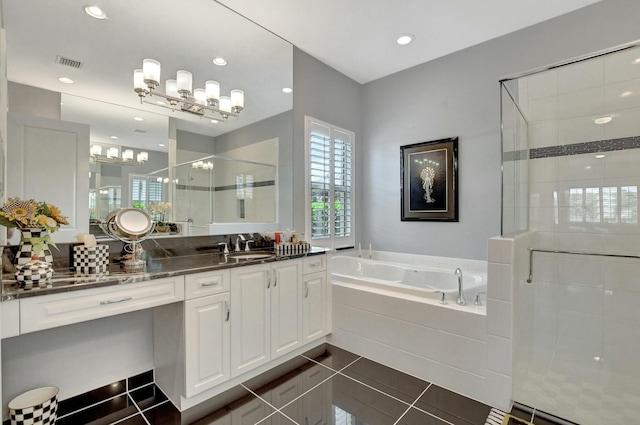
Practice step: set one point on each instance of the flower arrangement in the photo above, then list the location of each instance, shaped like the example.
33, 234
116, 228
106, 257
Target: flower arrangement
22, 214
35, 221
158, 211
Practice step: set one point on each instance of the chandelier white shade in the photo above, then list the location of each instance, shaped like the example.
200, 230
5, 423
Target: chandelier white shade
117, 155
180, 94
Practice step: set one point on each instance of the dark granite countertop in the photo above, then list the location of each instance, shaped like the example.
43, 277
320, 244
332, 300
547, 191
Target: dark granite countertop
65, 280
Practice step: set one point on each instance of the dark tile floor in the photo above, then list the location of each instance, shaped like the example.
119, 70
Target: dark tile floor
335, 387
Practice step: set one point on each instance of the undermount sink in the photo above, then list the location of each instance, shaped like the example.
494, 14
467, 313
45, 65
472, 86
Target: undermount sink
250, 255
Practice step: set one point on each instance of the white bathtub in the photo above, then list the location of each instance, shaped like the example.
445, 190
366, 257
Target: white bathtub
421, 281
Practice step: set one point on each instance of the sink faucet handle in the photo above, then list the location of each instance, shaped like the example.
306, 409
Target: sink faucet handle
247, 248
478, 301
226, 247
443, 300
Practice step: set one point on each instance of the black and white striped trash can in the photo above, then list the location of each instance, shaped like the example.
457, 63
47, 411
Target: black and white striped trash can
35, 407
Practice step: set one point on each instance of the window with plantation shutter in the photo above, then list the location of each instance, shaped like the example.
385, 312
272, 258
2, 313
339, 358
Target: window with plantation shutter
144, 190
329, 218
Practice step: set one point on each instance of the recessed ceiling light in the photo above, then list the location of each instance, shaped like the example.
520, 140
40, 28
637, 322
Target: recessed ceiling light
287, 90
600, 156
215, 121
114, 137
65, 80
405, 39
626, 94
637, 61
603, 120
162, 145
138, 118
95, 12
219, 61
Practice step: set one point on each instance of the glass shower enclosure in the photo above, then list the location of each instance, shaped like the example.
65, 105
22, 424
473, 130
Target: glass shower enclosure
571, 149
216, 189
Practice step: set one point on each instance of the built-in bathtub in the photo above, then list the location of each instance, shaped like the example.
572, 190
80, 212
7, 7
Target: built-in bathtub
410, 279
385, 309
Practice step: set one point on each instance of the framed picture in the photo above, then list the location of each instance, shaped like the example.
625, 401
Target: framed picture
429, 180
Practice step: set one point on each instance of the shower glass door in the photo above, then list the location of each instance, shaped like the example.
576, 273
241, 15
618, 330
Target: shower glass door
577, 324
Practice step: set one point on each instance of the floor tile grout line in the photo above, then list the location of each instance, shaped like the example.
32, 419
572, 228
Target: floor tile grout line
126, 392
374, 388
330, 368
263, 400
307, 392
413, 405
93, 405
129, 417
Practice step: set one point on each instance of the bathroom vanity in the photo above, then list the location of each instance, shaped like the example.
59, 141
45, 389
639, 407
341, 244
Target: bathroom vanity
217, 320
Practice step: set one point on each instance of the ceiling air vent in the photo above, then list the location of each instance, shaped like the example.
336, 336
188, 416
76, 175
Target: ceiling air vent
68, 62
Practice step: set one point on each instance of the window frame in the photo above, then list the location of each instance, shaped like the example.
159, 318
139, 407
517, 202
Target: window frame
332, 241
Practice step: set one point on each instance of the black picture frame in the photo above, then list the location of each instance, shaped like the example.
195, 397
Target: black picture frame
429, 180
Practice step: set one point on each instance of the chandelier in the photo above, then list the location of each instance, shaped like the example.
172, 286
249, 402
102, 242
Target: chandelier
205, 102
117, 156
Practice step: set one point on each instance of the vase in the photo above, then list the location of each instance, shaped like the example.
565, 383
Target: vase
33, 242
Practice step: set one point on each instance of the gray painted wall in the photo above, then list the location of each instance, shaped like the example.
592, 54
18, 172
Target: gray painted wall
323, 93
33, 101
458, 95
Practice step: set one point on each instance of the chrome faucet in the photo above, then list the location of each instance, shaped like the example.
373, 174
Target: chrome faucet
460, 300
238, 241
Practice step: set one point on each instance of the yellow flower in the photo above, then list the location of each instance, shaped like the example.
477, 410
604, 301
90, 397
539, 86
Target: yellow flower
23, 214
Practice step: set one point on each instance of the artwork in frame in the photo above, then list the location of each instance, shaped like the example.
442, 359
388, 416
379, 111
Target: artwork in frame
429, 180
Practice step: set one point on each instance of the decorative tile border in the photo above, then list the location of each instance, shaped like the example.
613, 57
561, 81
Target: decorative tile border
586, 147
227, 187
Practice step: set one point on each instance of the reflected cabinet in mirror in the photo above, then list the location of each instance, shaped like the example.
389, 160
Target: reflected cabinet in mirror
177, 163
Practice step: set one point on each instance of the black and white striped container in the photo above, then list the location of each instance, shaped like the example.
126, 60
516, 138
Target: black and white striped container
35, 407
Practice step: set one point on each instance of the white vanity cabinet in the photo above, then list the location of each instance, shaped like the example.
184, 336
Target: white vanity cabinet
192, 339
207, 331
266, 313
314, 298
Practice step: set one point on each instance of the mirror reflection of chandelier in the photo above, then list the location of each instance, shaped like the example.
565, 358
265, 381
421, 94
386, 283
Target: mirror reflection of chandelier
117, 155
180, 95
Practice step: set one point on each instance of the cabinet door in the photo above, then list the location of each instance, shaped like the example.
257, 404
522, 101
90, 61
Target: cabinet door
314, 306
249, 318
207, 351
286, 308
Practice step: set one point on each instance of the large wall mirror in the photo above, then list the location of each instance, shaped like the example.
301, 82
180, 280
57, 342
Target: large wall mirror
233, 172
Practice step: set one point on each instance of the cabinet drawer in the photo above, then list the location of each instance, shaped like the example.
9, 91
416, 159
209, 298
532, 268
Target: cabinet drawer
50, 311
203, 284
315, 263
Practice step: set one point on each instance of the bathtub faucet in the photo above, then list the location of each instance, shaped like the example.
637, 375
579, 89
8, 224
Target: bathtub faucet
460, 300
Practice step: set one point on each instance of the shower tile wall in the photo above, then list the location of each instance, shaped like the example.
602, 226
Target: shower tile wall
586, 329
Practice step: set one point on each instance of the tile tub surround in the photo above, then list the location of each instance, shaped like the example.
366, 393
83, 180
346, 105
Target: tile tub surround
165, 257
465, 351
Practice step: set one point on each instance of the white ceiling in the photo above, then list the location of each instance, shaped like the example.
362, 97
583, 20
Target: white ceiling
357, 37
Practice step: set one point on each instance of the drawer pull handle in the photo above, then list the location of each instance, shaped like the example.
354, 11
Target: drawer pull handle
268, 279
314, 264
306, 286
275, 278
215, 282
119, 300
226, 306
